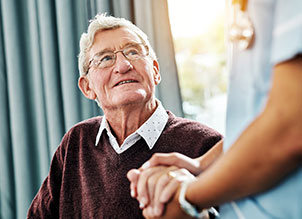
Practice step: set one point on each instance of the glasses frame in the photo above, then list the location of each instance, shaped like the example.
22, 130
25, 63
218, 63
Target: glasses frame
117, 51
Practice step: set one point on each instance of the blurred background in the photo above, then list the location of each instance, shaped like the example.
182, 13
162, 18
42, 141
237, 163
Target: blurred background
39, 97
198, 35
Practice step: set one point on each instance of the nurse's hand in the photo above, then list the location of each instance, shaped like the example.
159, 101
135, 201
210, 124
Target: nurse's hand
174, 159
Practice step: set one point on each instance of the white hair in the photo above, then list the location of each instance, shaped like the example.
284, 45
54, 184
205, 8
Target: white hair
105, 22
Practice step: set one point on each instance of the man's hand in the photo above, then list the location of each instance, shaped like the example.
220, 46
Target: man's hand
141, 192
172, 210
155, 186
166, 159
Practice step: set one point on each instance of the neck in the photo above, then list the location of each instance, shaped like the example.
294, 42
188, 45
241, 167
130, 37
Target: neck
127, 119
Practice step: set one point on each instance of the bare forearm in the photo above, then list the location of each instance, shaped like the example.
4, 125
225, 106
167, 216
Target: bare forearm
242, 171
210, 157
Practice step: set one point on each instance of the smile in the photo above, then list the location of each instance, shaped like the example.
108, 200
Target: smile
125, 82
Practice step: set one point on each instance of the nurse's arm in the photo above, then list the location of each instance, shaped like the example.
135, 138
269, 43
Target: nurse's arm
265, 153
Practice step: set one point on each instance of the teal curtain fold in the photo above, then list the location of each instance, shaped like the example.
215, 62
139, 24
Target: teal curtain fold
7, 191
39, 97
153, 18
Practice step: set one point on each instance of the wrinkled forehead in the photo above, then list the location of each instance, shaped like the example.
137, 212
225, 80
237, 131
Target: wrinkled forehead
113, 39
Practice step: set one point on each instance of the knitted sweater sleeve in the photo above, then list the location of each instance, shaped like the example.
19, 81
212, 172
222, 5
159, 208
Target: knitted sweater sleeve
46, 202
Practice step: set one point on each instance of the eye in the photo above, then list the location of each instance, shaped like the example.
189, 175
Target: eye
106, 58
134, 51
131, 51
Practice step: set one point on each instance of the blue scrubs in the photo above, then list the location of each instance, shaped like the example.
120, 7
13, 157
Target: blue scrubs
278, 37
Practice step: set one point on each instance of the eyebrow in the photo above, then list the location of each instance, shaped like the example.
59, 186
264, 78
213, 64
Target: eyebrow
100, 53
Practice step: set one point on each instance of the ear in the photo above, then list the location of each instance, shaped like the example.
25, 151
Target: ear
83, 84
156, 73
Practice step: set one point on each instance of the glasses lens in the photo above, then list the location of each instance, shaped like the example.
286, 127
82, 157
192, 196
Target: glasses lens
136, 51
105, 60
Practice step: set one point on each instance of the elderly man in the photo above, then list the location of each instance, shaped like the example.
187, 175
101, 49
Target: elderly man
87, 177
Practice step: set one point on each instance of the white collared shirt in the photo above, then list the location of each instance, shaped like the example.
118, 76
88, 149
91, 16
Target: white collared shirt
150, 131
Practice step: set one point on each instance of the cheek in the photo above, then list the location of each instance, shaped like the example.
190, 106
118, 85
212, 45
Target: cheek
149, 75
96, 83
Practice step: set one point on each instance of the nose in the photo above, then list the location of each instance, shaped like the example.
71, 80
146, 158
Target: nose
122, 64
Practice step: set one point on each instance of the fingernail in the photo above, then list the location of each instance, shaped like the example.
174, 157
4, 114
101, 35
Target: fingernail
132, 194
142, 202
141, 205
146, 165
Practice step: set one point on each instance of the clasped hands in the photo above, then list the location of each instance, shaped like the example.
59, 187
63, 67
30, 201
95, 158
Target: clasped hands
157, 183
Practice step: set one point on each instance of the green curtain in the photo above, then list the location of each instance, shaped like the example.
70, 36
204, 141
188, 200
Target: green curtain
39, 97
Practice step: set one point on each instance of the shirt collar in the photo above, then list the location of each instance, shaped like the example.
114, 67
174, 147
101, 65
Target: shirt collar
150, 130
154, 126
104, 125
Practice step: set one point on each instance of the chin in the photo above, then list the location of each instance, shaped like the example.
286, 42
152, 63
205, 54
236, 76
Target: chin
133, 98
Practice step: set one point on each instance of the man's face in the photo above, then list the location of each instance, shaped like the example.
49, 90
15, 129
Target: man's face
140, 75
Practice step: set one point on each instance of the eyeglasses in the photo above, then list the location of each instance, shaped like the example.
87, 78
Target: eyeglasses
106, 58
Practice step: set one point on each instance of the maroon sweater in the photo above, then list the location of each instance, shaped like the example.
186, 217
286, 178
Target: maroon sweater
86, 181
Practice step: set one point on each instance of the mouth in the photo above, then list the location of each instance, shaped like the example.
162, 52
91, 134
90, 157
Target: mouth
125, 82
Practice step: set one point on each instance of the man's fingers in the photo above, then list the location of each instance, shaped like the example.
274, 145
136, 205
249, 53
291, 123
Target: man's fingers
153, 183
163, 181
169, 191
180, 175
133, 176
146, 212
143, 187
